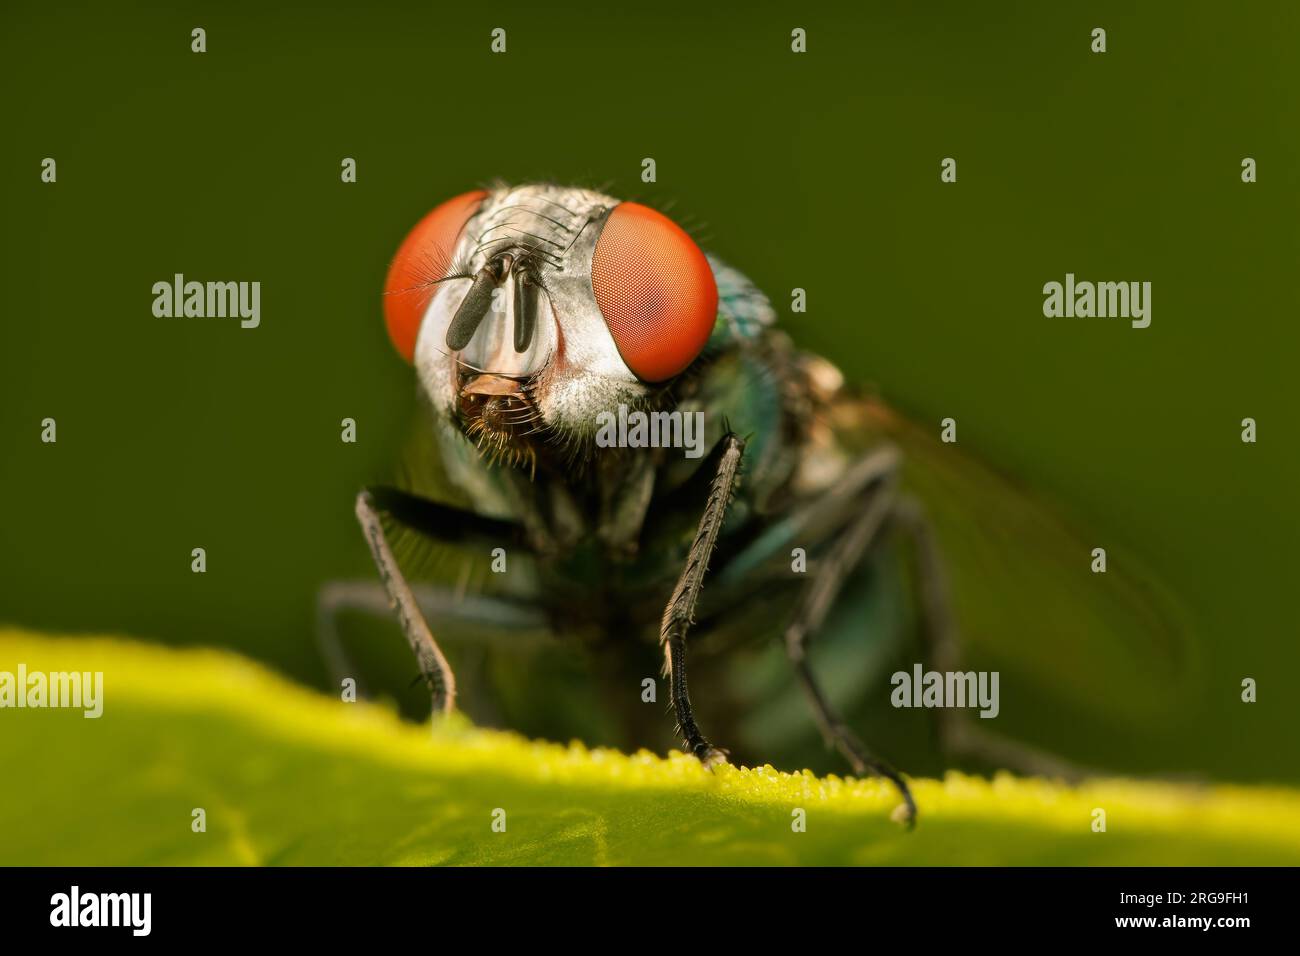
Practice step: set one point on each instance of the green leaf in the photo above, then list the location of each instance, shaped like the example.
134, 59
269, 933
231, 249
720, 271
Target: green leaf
288, 776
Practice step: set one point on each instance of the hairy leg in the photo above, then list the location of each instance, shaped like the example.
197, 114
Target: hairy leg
680, 612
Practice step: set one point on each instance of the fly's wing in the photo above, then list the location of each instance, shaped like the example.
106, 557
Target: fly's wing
1026, 601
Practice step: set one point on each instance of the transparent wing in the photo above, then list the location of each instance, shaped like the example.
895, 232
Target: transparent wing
1025, 597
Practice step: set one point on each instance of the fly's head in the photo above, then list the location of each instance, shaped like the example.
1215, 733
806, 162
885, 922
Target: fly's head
528, 311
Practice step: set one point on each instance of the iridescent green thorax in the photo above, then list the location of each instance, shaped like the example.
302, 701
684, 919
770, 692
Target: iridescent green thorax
743, 310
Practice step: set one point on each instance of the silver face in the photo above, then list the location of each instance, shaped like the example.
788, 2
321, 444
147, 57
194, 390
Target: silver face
571, 369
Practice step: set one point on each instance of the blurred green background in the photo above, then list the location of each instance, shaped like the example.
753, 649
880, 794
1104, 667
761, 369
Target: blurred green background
819, 171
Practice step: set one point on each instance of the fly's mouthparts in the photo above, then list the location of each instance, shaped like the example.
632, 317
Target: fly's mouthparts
499, 416
488, 383
494, 412
497, 404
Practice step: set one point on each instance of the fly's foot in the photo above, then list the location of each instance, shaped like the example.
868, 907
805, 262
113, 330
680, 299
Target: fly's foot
709, 755
862, 762
904, 813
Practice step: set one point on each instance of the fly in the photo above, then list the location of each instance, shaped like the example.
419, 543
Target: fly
533, 314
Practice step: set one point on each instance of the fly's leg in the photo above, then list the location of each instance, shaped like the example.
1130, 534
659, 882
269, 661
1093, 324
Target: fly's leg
333, 598
680, 613
433, 666
814, 604
958, 734
494, 620
448, 525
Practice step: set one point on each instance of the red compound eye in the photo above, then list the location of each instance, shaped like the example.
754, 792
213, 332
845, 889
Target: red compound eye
421, 260
655, 289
